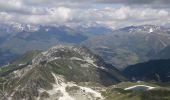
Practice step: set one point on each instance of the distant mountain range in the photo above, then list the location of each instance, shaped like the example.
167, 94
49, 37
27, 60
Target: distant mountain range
19, 39
131, 45
6, 56
121, 47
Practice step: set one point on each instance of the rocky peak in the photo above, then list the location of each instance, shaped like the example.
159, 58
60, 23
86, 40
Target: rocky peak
143, 28
69, 52
58, 73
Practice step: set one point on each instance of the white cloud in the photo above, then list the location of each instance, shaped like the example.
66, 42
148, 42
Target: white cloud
58, 15
124, 16
10, 3
5, 16
63, 12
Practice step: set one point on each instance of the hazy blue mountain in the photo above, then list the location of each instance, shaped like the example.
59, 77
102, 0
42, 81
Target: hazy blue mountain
122, 47
6, 56
130, 45
155, 70
163, 54
22, 38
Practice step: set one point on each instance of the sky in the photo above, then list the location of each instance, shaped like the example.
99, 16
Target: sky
112, 13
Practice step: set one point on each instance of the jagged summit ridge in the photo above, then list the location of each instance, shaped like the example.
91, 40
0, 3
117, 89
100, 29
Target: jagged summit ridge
62, 51
143, 29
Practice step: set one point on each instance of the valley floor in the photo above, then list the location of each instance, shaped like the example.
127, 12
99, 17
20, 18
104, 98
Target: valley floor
127, 91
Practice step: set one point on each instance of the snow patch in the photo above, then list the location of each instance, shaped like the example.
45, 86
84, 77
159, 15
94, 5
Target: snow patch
76, 58
52, 59
84, 65
140, 87
21, 64
85, 59
60, 86
89, 90
150, 30
70, 67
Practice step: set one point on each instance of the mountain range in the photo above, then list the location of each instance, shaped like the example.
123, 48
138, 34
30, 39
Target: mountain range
131, 45
66, 72
122, 47
18, 38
